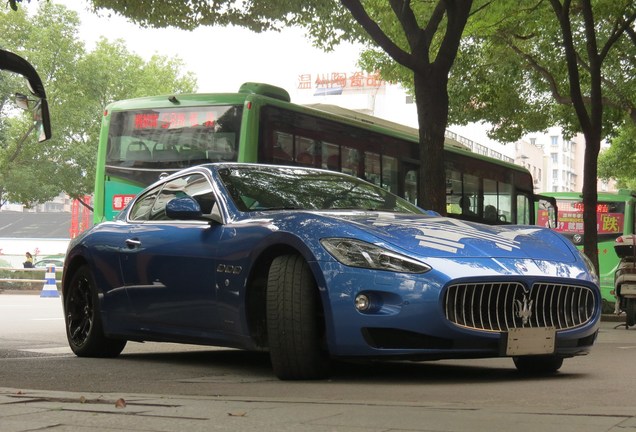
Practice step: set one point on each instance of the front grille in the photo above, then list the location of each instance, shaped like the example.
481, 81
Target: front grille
502, 306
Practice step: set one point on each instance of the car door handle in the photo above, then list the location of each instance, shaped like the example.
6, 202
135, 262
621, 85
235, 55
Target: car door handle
132, 243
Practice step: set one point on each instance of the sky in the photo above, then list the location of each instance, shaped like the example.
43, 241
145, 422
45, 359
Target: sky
222, 58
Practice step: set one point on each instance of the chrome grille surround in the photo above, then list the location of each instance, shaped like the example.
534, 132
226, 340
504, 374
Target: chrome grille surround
499, 306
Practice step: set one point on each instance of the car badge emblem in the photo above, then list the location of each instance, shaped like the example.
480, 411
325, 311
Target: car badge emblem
523, 309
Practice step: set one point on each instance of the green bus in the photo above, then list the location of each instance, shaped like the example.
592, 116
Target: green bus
144, 139
614, 216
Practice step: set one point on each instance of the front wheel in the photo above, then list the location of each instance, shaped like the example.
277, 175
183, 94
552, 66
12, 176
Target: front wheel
538, 365
295, 321
84, 329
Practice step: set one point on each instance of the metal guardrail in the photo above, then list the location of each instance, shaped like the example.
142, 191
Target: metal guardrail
11, 275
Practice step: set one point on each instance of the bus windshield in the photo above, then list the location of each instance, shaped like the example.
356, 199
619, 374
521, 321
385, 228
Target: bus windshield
171, 139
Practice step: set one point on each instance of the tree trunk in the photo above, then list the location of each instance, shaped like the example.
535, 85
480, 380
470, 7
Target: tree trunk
590, 198
431, 100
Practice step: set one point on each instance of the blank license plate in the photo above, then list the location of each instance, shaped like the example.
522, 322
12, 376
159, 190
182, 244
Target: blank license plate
530, 341
628, 289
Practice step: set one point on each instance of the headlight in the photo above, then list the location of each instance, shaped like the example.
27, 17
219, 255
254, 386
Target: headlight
356, 253
588, 264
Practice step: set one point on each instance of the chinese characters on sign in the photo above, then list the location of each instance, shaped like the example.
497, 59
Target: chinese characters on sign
120, 201
340, 80
572, 222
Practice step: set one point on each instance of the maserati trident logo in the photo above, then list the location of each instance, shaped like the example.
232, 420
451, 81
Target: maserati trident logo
523, 309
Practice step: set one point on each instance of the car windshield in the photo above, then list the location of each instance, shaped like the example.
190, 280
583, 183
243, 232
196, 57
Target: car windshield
258, 188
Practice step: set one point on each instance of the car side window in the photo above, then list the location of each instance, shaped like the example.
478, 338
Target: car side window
193, 185
173, 189
140, 211
200, 189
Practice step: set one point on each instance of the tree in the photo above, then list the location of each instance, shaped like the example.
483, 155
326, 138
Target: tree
565, 63
422, 37
619, 160
79, 84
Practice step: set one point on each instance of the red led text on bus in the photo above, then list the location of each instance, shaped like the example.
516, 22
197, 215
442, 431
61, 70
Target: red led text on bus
174, 120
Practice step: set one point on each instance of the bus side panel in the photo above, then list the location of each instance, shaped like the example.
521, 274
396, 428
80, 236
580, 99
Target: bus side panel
249, 136
100, 172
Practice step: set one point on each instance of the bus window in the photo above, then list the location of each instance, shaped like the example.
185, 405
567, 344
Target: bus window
350, 161
283, 147
221, 148
469, 199
389, 174
372, 170
497, 201
523, 210
410, 185
330, 156
305, 151
453, 192
462, 194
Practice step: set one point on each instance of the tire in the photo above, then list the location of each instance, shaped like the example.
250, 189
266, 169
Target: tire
84, 329
295, 321
538, 365
630, 312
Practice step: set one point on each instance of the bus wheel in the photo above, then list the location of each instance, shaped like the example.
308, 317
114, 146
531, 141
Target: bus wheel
630, 312
83, 322
295, 321
538, 365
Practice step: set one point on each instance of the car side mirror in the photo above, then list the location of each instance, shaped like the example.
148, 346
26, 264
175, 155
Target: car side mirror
185, 208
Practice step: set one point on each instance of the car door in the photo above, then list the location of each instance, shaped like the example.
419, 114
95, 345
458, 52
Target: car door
168, 265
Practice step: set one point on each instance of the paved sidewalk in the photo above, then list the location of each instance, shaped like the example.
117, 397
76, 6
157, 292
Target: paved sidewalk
31, 410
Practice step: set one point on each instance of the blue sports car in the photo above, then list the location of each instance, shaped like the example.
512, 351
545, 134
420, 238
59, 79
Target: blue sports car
312, 266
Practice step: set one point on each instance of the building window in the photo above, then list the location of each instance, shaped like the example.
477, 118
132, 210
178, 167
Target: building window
554, 140
533, 141
555, 158
409, 99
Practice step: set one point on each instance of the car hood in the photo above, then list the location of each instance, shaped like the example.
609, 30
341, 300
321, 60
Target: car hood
447, 238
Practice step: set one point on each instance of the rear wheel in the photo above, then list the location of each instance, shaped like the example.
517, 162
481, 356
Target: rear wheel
538, 365
295, 321
630, 312
83, 322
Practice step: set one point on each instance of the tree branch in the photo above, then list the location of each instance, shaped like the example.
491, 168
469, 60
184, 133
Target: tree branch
376, 33
554, 88
457, 13
406, 18
619, 30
